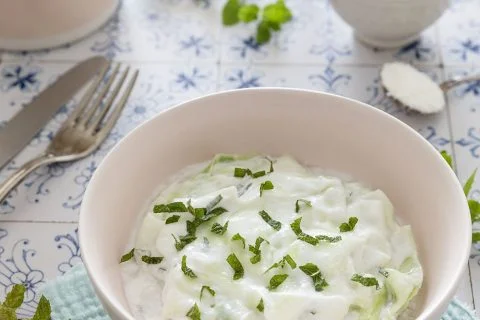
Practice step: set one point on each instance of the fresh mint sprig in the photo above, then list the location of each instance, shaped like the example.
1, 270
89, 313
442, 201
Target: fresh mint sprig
270, 18
14, 300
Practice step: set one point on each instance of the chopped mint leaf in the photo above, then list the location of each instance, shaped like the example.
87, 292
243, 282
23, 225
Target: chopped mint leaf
14, 298
474, 207
313, 272
214, 203
267, 185
127, 256
191, 227
183, 241
218, 229
171, 207
240, 238
214, 213
328, 238
447, 157
256, 250
194, 313
172, 219
152, 260
248, 13
241, 172
259, 174
281, 264
44, 310
350, 225
210, 290
276, 225
468, 185
276, 281
366, 281
271, 165
199, 213
186, 270
260, 306
236, 266
305, 202
297, 229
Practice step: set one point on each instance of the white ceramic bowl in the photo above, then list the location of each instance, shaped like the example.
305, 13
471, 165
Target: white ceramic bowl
316, 128
389, 23
42, 24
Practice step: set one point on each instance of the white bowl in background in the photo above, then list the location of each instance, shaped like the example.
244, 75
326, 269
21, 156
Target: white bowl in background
318, 129
43, 24
389, 23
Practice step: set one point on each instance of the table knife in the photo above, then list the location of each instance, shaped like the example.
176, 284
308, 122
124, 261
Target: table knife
20, 130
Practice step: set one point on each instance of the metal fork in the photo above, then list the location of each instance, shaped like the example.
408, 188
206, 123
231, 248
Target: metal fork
84, 130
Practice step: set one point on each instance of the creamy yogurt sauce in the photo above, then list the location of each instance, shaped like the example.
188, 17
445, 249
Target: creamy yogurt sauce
253, 238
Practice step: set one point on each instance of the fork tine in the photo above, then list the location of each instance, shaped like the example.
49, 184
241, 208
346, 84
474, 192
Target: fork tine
83, 121
117, 110
98, 119
84, 102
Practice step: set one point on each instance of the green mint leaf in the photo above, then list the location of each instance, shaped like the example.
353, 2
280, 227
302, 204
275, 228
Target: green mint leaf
127, 256
241, 172
260, 306
218, 229
259, 174
313, 272
14, 298
199, 213
468, 185
212, 204
328, 238
152, 260
236, 266
256, 258
191, 227
194, 313
475, 237
210, 290
447, 157
240, 238
214, 213
256, 250
474, 207
172, 219
350, 225
276, 225
281, 264
186, 270
275, 26
302, 201
171, 207
44, 310
248, 13
183, 241
230, 12
366, 281
277, 13
263, 33
276, 281
297, 229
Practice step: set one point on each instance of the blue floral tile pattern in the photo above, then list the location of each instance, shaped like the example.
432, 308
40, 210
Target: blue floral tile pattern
183, 52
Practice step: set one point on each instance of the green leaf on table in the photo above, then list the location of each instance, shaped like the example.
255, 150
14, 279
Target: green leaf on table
7, 313
263, 33
447, 157
230, 12
14, 298
44, 310
474, 207
248, 13
277, 13
475, 237
468, 185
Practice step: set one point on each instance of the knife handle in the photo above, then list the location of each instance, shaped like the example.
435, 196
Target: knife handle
12, 181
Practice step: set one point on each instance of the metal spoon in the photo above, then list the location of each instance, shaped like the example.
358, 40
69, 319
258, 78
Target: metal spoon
414, 90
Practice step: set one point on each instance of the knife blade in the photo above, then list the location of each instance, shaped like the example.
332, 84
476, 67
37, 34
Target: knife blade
20, 130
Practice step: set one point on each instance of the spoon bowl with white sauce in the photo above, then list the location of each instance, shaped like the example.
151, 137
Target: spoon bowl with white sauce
340, 138
415, 90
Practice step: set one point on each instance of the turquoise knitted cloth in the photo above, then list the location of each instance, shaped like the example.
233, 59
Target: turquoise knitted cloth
72, 297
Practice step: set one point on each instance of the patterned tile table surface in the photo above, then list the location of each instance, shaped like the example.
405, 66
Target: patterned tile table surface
182, 52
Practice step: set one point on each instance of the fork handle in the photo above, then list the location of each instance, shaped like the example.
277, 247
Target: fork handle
12, 181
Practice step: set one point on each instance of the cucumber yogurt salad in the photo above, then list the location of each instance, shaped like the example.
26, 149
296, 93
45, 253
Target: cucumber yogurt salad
261, 238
